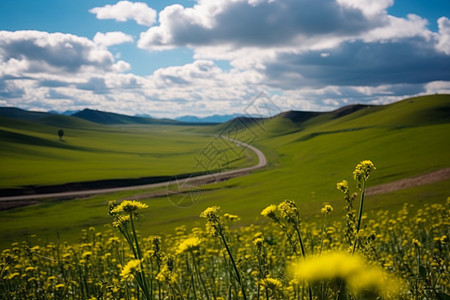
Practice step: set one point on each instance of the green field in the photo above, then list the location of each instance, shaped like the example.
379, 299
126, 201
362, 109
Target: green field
307, 157
31, 153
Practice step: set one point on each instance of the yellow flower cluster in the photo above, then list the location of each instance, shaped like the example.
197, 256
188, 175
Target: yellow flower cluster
288, 208
131, 268
271, 284
343, 186
242, 261
416, 243
129, 206
210, 213
231, 217
189, 244
327, 209
341, 266
269, 210
363, 170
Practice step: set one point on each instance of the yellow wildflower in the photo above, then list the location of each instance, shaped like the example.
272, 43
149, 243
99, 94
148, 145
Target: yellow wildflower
269, 211
363, 170
349, 268
129, 206
272, 284
121, 221
189, 244
231, 217
12, 275
60, 286
258, 242
86, 254
327, 209
210, 212
166, 275
289, 211
131, 267
288, 207
416, 243
343, 186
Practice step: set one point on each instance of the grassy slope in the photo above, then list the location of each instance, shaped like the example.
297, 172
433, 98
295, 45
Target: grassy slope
402, 139
31, 153
306, 160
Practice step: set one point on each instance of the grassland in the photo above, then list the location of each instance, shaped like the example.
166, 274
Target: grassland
307, 157
31, 153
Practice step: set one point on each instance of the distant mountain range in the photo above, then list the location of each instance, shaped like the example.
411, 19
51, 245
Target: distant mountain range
209, 119
108, 118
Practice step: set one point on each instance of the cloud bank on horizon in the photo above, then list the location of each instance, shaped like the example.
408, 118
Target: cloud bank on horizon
307, 54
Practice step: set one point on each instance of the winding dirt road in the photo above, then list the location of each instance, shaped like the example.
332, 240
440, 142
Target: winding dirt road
219, 176
181, 185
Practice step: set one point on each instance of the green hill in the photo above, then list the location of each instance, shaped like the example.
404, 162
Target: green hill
32, 154
108, 118
307, 157
67, 122
308, 153
20, 114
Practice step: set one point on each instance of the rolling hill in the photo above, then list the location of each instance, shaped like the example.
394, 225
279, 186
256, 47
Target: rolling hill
20, 114
108, 118
308, 153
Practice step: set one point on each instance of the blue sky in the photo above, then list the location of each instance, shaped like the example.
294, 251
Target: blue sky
171, 58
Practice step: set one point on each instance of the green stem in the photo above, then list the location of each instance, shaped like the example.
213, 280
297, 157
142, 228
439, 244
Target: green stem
303, 254
200, 278
129, 241
300, 241
418, 272
358, 226
323, 231
138, 248
143, 284
192, 277
238, 276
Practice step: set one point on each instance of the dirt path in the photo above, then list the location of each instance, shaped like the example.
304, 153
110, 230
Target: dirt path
15, 201
423, 179
183, 185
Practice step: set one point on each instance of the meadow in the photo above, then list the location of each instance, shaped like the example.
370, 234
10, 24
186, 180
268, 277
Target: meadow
306, 157
387, 255
33, 155
307, 154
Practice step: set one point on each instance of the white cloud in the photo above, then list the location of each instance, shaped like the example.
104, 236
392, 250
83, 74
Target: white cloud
296, 43
41, 52
253, 24
316, 55
369, 7
112, 38
444, 35
441, 87
125, 10
397, 28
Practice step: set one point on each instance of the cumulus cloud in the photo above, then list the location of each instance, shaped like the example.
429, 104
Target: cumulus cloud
314, 55
112, 38
397, 28
253, 23
411, 60
42, 52
444, 35
125, 10
369, 7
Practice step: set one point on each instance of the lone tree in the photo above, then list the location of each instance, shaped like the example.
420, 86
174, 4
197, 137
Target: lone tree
60, 133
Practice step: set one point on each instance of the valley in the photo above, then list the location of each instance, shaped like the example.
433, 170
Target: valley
307, 154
